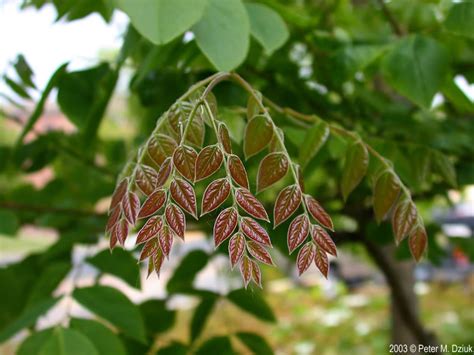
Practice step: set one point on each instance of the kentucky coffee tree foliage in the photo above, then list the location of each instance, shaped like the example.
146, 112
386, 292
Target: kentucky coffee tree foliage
177, 156
345, 122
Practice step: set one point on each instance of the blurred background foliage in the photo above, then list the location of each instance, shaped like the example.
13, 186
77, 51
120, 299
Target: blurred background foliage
396, 72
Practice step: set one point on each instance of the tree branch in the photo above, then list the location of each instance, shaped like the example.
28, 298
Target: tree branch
396, 27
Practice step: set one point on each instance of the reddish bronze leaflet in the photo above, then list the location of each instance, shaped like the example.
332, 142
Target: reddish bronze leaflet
183, 193
256, 273
237, 171
149, 249
160, 147
224, 138
153, 203
318, 212
250, 204
215, 195
305, 257
118, 194
131, 206
418, 241
165, 238
208, 162
224, 225
184, 159
272, 168
255, 231
236, 248
146, 179
150, 229
323, 240
321, 261
259, 252
164, 172
286, 204
297, 232
246, 270
176, 219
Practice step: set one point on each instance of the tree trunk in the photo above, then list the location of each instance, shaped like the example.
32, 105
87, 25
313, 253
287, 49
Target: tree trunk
406, 325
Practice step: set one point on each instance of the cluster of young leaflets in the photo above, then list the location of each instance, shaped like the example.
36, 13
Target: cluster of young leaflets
173, 160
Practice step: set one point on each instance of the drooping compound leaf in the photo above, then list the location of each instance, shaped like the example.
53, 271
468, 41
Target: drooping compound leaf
208, 162
165, 239
272, 168
267, 26
318, 212
386, 191
215, 195
305, 257
150, 247
416, 67
297, 232
256, 273
355, 167
161, 21
250, 204
131, 207
164, 172
183, 193
259, 252
255, 231
237, 171
150, 229
175, 219
104, 340
287, 202
222, 34
119, 233
236, 248
315, 138
224, 225
184, 159
118, 194
258, 134
196, 131
104, 301
246, 269
224, 138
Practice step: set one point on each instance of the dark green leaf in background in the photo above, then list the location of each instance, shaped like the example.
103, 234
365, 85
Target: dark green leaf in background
460, 19
255, 343
253, 303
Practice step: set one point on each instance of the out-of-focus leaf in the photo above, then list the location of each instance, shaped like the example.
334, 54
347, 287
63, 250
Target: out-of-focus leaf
106, 303
267, 26
255, 343
24, 71
313, 141
48, 281
16, 87
119, 263
417, 67
253, 303
160, 21
67, 341
158, 318
200, 316
105, 340
355, 167
175, 348
184, 275
445, 168
460, 19
223, 33
32, 345
216, 345
386, 191
457, 97
8, 222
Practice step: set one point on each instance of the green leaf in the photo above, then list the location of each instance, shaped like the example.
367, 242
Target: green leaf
27, 318
183, 277
355, 167
158, 319
175, 348
460, 19
120, 263
314, 139
33, 344
223, 33
457, 97
24, 71
16, 87
160, 21
417, 67
105, 340
267, 26
258, 134
38, 111
114, 306
8, 222
67, 342
445, 168
253, 303
48, 281
257, 344
200, 316
217, 345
